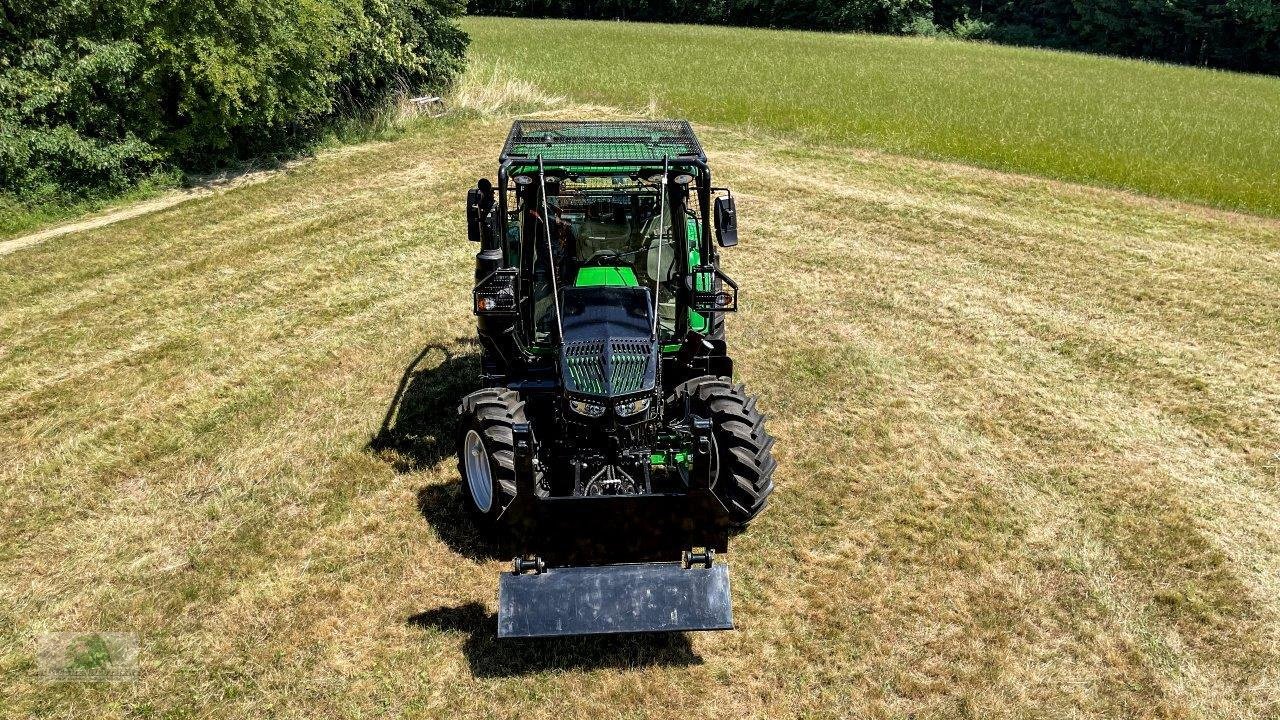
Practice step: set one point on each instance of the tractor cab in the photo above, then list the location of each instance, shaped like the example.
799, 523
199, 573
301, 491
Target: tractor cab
609, 432
611, 230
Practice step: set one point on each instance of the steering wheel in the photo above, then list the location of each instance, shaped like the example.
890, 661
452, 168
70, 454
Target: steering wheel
603, 258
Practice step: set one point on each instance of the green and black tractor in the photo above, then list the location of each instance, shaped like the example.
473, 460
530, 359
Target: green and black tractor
609, 449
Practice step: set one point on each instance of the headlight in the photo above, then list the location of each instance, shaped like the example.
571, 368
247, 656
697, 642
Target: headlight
585, 408
632, 407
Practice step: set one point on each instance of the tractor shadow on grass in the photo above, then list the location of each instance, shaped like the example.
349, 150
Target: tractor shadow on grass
442, 506
490, 657
417, 433
417, 430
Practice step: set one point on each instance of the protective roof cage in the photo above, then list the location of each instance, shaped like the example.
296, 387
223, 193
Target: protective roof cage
641, 141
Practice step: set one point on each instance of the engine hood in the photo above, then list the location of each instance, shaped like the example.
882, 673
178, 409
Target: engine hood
608, 350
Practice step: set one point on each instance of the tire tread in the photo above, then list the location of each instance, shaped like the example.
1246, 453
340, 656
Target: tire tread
744, 445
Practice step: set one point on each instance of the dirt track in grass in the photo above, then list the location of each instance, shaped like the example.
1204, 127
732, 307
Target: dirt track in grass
146, 207
1029, 437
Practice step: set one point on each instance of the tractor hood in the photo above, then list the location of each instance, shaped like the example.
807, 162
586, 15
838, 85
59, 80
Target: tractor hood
608, 348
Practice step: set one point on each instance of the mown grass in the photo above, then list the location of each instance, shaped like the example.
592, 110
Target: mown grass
1029, 437
20, 217
1204, 136
17, 217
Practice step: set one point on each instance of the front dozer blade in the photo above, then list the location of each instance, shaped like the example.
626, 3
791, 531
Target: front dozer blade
648, 597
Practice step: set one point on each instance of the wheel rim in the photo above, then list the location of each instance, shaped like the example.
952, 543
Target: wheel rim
479, 477
715, 461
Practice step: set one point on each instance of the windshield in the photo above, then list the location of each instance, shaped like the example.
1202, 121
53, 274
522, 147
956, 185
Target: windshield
604, 231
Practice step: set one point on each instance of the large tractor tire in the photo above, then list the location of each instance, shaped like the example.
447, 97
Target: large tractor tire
743, 463
486, 450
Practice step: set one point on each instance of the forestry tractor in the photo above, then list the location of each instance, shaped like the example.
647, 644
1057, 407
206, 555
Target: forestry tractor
609, 450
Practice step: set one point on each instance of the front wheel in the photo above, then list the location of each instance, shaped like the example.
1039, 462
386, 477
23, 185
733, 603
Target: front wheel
486, 450
744, 461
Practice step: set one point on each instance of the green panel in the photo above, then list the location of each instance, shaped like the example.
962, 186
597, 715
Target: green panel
606, 277
583, 151
677, 458
696, 322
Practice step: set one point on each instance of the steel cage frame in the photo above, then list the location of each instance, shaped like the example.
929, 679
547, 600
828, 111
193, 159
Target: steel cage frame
706, 247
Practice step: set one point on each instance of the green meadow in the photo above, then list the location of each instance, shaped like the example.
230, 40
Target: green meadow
1197, 135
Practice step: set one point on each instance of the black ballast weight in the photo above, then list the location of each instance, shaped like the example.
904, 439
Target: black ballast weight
646, 597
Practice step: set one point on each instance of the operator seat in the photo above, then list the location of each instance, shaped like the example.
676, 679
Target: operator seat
666, 298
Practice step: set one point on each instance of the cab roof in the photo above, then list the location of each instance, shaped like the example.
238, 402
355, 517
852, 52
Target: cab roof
561, 142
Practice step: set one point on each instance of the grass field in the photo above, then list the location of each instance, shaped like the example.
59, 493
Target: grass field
1029, 437
1204, 136
17, 218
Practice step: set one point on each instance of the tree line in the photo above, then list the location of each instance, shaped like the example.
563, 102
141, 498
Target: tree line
1230, 34
98, 94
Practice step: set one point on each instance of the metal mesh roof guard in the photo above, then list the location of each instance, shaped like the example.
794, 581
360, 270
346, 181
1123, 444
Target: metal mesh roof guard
640, 140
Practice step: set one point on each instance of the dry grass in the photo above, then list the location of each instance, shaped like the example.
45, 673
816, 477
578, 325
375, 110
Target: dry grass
1029, 434
214, 184
492, 90
489, 90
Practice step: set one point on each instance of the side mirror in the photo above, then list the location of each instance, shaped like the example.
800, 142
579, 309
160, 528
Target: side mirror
479, 201
726, 217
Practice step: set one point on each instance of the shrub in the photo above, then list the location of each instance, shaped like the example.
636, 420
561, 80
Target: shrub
970, 29
921, 26
72, 110
97, 94
427, 52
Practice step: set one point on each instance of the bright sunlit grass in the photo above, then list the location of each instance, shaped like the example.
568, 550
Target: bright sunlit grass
1028, 437
1204, 136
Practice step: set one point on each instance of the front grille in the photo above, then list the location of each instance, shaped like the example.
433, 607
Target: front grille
617, 366
630, 360
584, 364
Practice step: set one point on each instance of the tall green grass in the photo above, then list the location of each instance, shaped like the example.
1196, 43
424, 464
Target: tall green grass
1198, 135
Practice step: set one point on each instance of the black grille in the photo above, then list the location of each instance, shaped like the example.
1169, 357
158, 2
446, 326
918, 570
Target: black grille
584, 366
617, 366
639, 140
630, 360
